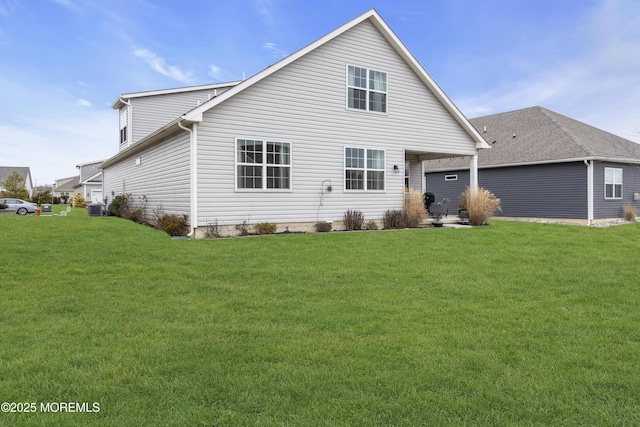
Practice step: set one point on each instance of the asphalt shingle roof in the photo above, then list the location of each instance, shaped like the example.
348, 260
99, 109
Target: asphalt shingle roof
537, 135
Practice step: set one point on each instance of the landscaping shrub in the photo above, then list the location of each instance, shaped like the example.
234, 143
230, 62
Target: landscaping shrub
173, 224
481, 206
266, 228
78, 201
414, 212
630, 212
353, 220
119, 206
323, 227
138, 212
393, 219
371, 225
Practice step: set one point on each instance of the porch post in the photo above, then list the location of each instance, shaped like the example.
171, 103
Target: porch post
473, 174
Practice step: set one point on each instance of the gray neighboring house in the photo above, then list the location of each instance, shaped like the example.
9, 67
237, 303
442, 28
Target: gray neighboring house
344, 123
66, 187
25, 173
90, 182
546, 165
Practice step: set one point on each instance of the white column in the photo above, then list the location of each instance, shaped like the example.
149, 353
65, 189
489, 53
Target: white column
589, 164
473, 173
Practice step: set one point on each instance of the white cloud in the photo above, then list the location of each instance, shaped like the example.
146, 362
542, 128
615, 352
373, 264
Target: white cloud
83, 103
158, 63
273, 49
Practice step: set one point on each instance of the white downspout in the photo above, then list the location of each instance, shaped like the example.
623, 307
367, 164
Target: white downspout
473, 174
589, 164
193, 165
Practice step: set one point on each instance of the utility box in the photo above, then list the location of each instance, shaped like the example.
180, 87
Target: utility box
46, 208
94, 210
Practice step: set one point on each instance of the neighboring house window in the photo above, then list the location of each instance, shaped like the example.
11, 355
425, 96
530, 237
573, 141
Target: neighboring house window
364, 169
366, 89
123, 125
263, 165
451, 177
612, 183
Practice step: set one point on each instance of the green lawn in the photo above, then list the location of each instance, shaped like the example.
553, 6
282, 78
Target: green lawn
511, 324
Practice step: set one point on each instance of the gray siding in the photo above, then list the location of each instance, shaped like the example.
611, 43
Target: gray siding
544, 191
305, 104
603, 208
150, 113
162, 176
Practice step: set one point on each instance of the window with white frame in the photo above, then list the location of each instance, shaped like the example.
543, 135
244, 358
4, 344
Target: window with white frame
366, 89
612, 183
123, 125
263, 165
364, 169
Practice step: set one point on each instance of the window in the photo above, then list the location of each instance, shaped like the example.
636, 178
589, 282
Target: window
364, 169
366, 89
123, 125
612, 183
451, 177
263, 165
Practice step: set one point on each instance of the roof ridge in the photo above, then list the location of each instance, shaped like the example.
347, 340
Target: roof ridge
570, 134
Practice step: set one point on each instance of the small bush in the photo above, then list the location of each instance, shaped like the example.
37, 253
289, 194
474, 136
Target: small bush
371, 225
630, 212
353, 220
393, 219
266, 228
173, 224
481, 206
323, 227
119, 206
414, 212
78, 201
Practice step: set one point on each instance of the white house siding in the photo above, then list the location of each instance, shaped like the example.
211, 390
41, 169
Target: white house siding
305, 104
415, 175
150, 113
162, 176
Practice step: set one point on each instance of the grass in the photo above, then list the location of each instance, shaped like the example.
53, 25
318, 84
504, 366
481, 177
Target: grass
511, 324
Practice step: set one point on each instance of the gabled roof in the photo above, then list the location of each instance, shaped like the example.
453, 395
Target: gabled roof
536, 135
69, 185
6, 171
196, 114
117, 104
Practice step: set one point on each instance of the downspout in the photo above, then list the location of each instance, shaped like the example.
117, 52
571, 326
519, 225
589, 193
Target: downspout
129, 118
193, 165
589, 164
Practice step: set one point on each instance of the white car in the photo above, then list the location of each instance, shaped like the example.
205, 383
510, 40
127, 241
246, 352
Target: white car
22, 207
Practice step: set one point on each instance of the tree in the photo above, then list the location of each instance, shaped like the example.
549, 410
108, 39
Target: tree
42, 197
14, 186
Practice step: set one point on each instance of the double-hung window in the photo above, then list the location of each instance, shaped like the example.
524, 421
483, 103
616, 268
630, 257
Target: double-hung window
364, 169
366, 89
263, 165
612, 183
123, 125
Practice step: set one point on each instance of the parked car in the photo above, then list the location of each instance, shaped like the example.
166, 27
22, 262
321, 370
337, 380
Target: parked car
22, 207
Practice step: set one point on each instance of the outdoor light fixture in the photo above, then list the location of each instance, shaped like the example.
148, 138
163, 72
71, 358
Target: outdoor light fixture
396, 168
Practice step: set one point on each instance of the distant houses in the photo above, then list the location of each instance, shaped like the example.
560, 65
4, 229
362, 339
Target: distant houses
23, 171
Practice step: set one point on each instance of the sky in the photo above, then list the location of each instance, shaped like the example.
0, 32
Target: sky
64, 62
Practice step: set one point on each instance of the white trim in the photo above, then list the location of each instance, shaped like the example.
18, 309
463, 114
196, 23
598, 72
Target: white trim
117, 103
604, 175
264, 165
365, 188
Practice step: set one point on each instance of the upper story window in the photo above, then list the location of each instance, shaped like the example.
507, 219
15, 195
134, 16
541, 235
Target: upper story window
612, 183
366, 89
263, 165
123, 125
364, 169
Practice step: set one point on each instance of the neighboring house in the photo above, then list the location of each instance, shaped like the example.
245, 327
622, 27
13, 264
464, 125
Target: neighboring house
343, 123
90, 182
65, 187
25, 173
543, 164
